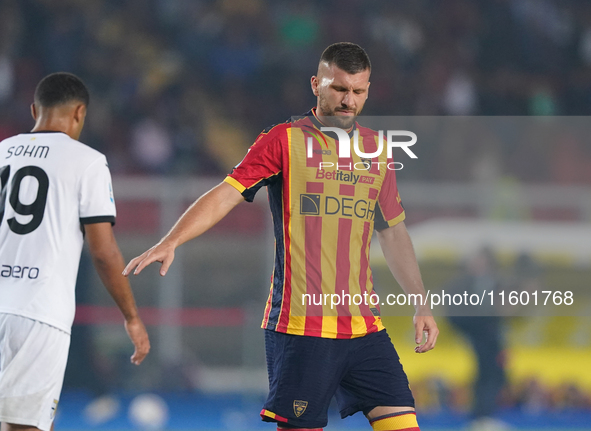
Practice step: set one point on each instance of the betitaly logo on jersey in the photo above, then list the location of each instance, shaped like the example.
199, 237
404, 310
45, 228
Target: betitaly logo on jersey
299, 407
343, 176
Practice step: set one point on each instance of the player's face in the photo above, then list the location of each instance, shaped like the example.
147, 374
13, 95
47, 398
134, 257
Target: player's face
341, 95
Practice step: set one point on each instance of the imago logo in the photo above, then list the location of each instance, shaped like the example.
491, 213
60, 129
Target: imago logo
345, 146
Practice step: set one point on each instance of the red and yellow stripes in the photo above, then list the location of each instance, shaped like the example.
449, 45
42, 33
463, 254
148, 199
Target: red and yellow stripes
343, 271
404, 421
266, 413
287, 173
324, 218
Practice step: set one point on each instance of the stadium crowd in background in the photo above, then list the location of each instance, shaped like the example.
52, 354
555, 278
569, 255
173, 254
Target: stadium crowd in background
184, 87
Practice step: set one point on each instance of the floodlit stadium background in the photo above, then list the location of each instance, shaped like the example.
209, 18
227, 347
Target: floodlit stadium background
179, 91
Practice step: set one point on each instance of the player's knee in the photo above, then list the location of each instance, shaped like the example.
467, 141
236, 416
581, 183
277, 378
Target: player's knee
397, 421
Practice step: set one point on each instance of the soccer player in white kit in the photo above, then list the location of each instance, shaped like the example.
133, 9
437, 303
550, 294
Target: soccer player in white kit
54, 191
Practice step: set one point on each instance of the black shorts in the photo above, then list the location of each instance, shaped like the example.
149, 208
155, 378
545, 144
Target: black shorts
305, 372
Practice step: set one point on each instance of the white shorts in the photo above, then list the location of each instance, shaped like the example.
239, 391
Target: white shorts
33, 357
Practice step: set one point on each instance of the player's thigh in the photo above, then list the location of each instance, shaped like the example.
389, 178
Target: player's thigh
375, 379
33, 357
304, 373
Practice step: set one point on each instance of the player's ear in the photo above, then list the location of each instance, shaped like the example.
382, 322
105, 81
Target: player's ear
80, 112
33, 111
314, 85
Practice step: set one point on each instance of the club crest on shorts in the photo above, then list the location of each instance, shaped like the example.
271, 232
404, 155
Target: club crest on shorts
299, 407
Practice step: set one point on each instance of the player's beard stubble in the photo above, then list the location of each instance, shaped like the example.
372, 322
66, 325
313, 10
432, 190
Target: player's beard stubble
331, 119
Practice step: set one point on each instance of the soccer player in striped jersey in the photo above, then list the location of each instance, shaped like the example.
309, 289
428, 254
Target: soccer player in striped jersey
54, 191
324, 210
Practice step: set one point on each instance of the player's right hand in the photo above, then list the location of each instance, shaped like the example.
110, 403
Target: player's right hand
425, 325
159, 253
139, 337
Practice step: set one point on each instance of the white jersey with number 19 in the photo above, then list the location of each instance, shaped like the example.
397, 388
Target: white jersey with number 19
50, 186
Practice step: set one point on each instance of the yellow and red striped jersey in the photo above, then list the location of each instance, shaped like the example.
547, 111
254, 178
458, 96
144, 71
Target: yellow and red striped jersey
323, 217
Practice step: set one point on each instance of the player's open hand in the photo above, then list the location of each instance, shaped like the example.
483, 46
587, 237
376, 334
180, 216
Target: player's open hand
139, 337
427, 325
161, 252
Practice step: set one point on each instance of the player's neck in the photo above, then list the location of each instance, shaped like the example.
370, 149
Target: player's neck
54, 124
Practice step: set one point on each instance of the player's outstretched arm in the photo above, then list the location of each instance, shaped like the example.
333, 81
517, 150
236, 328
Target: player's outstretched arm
109, 262
401, 260
203, 214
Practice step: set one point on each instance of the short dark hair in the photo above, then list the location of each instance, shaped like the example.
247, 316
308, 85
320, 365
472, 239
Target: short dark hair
347, 56
59, 88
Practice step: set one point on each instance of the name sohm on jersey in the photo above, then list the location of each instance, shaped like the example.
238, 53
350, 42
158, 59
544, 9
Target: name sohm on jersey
36, 151
16, 271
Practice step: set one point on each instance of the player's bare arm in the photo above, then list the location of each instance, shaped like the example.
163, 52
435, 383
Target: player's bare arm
109, 262
202, 215
400, 257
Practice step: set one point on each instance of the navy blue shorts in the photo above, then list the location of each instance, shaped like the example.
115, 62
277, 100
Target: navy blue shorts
306, 372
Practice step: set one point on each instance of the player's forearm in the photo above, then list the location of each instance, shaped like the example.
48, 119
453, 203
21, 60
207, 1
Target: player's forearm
108, 261
401, 260
203, 214
109, 267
